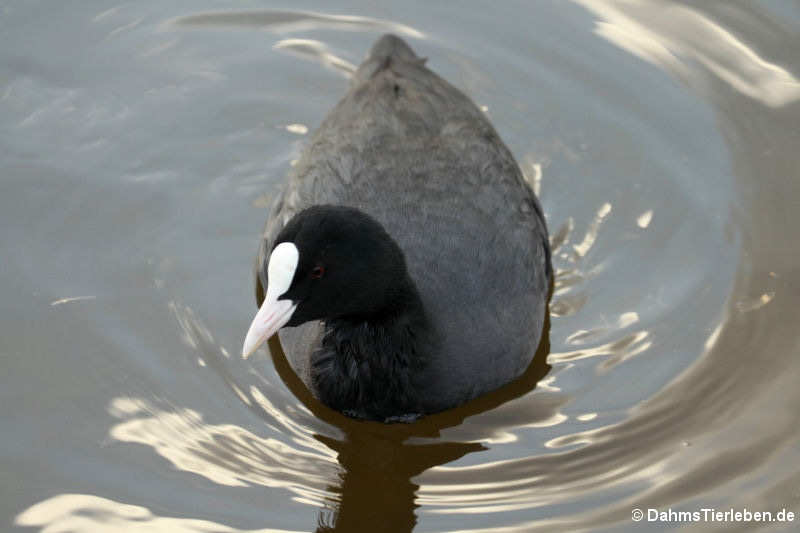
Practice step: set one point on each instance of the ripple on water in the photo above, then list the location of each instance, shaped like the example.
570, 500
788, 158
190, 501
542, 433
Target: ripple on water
663, 378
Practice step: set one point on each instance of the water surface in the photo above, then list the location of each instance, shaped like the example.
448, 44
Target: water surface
141, 144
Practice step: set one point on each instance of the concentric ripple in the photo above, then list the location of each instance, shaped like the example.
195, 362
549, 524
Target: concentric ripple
662, 141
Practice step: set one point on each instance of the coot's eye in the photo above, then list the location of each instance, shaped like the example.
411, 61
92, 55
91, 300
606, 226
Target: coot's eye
317, 272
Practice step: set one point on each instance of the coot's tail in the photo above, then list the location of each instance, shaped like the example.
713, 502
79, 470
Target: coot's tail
391, 47
386, 50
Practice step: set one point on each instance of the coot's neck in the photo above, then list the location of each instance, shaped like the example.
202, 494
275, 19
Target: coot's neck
369, 366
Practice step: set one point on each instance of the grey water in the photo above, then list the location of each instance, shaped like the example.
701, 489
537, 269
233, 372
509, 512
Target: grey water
141, 144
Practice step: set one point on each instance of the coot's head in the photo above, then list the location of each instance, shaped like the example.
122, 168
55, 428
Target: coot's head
328, 262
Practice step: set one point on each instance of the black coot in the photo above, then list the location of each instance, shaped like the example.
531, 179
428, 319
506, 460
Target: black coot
406, 248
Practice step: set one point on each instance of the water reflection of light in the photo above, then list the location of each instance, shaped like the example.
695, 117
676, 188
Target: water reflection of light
72, 299
591, 233
86, 513
226, 454
668, 35
554, 420
712, 339
615, 351
526, 491
745, 306
548, 384
293, 21
644, 219
568, 304
561, 237
297, 129
317, 51
532, 172
626, 319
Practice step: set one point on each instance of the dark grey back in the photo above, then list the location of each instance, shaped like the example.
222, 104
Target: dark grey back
415, 153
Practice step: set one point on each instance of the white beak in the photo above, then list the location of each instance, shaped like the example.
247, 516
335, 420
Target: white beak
274, 313
272, 316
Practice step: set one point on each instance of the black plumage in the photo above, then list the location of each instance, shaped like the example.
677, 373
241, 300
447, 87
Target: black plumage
431, 252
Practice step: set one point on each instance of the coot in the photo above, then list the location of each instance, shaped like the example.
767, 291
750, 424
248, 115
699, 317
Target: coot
406, 254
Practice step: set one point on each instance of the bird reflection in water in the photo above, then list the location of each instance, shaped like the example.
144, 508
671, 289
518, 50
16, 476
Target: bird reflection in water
358, 473
379, 461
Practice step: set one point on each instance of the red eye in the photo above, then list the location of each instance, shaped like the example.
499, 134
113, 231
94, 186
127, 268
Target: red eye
318, 272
